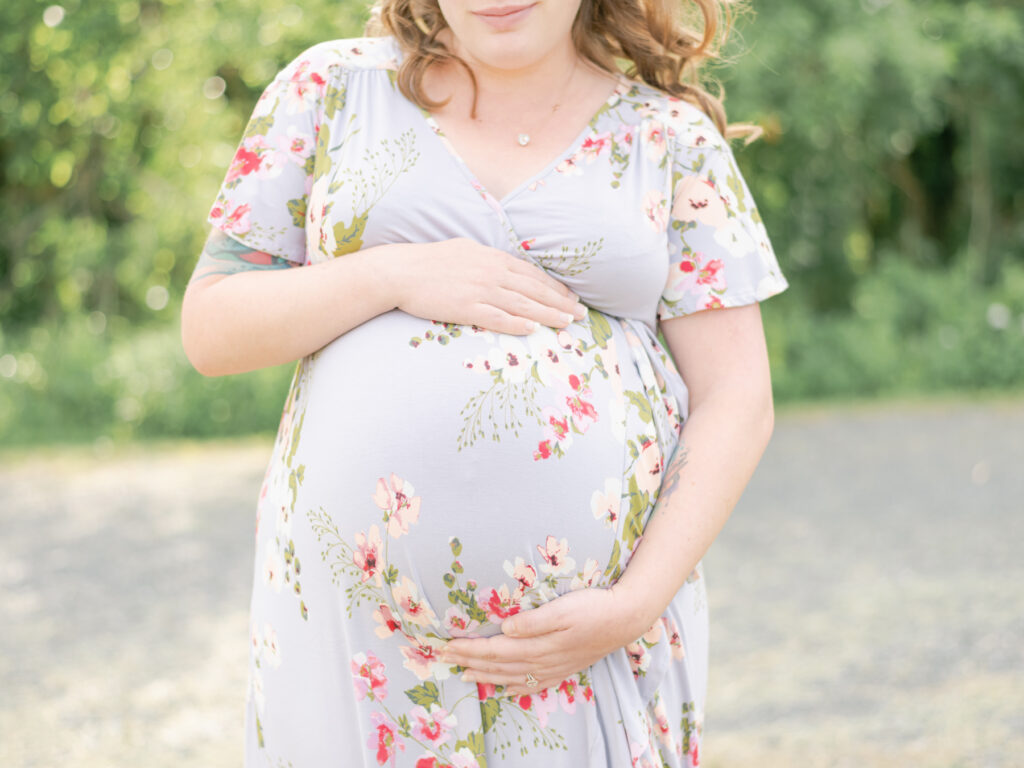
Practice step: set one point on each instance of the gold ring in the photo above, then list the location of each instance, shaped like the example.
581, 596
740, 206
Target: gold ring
531, 681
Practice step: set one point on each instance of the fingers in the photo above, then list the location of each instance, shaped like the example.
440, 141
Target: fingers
526, 296
519, 304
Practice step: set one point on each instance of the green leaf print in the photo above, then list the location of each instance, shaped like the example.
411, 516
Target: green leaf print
258, 126
600, 327
349, 238
424, 695
734, 183
489, 711
642, 405
633, 525
297, 208
322, 164
334, 100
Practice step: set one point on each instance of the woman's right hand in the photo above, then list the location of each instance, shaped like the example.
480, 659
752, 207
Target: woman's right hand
462, 281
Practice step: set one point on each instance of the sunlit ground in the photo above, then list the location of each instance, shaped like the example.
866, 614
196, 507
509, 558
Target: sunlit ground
867, 597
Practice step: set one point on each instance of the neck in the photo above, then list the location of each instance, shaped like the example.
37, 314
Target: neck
522, 82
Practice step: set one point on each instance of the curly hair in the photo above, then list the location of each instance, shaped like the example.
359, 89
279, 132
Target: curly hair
656, 41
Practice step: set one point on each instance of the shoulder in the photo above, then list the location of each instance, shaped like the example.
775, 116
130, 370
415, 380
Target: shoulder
330, 59
686, 126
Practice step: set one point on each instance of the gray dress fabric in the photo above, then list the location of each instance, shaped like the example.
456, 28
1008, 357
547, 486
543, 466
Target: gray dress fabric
429, 479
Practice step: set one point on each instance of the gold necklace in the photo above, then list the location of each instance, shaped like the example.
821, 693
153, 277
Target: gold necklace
523, 139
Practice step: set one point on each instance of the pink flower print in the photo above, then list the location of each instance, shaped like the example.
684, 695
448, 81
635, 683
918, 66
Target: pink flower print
401, 507
528, 244
458, 623
384, 738
663, 729
652, 134
567, 690
486, 691
501, 604
656, 210
245, 162
697, 200
368, 677
525, 576
296, 145
711, 274
414, 608
594, 145
556, 425
675, 641
464, 758
387, 624
588, 695
570, 165
543, 450
587, 577
544, 703
639, 658
433, 726
428, 761
367, 554
624, 135
583, 412
605, 503
231, 219
556, 556
649, 467
422, 658
303, 88
695, 755
713, 302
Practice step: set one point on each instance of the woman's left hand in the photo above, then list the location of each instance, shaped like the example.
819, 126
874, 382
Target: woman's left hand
553, 641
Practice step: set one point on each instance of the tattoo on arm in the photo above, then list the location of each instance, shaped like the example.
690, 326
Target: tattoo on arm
223, 255
672, 472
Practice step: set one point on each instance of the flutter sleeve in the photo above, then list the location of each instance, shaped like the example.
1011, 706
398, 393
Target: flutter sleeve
262, 201
719, 251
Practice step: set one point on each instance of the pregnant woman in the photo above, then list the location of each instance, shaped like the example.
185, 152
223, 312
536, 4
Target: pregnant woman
480, 532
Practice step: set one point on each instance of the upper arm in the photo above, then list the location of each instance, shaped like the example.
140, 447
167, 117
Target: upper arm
721, 349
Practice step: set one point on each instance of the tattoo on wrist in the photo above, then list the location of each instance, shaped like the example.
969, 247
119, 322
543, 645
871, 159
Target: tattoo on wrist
223, 255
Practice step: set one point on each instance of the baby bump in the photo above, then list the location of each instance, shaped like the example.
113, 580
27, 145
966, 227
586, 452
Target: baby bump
451, 477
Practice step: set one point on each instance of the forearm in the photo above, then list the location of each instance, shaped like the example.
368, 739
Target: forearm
722, 441
254, 318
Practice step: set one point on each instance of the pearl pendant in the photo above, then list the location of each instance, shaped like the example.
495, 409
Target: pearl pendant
524, 139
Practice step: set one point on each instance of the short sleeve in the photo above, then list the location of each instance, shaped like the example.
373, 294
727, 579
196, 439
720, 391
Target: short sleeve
262, 201
719, 251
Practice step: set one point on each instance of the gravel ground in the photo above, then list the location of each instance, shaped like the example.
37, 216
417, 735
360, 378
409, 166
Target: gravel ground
867, 598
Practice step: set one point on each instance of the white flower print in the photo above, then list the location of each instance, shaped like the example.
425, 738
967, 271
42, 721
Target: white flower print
655, 210
604, 504
556, 556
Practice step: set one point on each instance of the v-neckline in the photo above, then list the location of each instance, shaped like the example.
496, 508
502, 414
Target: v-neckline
622, 86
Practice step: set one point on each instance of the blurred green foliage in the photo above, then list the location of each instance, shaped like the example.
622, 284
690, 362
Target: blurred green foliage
888, 178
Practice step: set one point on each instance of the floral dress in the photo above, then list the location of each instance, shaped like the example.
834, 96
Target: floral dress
431, 479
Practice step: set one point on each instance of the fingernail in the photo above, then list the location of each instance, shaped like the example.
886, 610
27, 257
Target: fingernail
467, 678
580, 311
567, 318
531, 326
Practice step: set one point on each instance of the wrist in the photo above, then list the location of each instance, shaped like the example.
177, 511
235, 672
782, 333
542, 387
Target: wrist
391, 265
634, 609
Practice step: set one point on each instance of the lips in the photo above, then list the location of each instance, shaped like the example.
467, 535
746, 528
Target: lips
503, 10
503, 17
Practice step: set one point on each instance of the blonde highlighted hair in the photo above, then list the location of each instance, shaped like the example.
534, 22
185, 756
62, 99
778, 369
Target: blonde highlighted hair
662, 42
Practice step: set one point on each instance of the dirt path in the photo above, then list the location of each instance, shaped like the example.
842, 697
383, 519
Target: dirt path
867, 598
